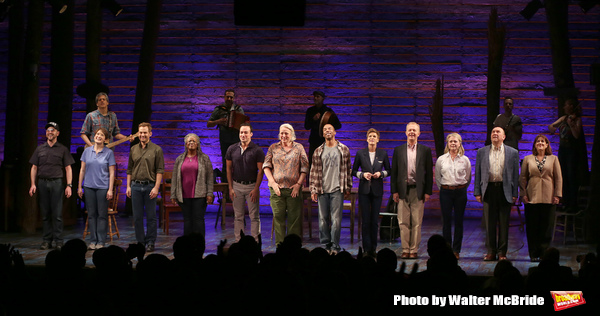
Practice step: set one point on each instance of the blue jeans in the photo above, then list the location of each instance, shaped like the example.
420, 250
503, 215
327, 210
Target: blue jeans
97, 208
50, 201
330, 218
453, 200
140, 202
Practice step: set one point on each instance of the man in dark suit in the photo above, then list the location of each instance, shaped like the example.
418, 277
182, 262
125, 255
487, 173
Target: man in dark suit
411, 185
374, 165
496, 186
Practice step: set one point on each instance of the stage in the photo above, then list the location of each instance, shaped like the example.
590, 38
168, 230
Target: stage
471, 256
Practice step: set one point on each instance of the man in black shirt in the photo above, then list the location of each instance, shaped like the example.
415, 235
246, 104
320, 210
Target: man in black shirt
47, 164
312, 122
244, 176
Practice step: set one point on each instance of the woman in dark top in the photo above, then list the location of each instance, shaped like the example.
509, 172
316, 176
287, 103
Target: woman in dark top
572, 153
374, 165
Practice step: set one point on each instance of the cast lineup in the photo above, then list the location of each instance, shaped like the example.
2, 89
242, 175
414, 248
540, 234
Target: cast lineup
500, 178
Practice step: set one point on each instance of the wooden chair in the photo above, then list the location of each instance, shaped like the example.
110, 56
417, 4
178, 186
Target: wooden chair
217, 174
112, 212
575, 220
387, 222
350, 206
167, 205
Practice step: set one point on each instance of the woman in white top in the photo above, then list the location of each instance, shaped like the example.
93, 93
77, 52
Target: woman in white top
453, 176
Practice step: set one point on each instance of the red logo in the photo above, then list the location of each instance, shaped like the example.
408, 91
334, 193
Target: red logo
567, 299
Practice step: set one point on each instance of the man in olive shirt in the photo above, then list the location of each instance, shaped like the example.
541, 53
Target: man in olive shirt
144, 175
47, 164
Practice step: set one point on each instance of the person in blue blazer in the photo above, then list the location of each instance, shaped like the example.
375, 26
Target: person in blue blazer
374, 165
497, 187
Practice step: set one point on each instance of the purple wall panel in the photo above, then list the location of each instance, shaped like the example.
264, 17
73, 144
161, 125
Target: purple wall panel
377, 61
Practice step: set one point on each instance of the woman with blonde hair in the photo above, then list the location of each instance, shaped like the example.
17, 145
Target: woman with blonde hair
453, 176
286, 167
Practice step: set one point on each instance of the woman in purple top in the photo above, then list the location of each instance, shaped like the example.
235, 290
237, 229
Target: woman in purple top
192, 185
98, 170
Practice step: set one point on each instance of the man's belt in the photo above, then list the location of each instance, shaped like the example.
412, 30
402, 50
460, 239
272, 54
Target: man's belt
244, 182
141, 182
454, 187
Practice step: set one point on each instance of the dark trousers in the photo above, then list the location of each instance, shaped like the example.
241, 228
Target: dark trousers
537, 224
370, 205
50, 193
193, 215
496, 211
453, 200
140, 202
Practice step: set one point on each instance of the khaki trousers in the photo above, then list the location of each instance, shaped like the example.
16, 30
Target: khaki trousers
410, 218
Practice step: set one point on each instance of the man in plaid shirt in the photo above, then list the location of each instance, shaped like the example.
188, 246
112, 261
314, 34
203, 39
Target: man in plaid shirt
101, 117
330, 184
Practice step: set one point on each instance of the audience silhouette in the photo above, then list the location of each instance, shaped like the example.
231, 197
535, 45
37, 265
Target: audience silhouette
240, 278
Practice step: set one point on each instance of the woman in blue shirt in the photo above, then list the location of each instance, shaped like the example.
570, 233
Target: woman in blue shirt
98, 170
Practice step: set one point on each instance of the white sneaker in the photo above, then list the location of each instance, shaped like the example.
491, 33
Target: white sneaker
98, 246
92, 247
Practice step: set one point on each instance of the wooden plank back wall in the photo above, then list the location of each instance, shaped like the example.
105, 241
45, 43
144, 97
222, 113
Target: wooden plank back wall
377, 61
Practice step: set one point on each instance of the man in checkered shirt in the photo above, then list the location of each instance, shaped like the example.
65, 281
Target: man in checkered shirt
330, 184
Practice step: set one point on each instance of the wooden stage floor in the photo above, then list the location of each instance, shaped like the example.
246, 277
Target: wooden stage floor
471, 256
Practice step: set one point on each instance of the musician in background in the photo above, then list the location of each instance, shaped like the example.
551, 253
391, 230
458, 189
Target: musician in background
101, 118
511, 124
227, 135
312, 122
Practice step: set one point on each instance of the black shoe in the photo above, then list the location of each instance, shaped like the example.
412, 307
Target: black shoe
45, 246
149, 247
